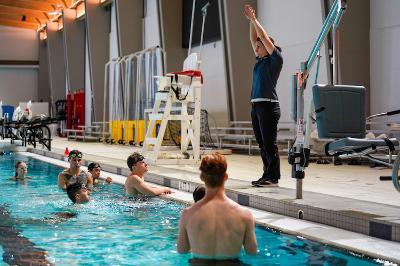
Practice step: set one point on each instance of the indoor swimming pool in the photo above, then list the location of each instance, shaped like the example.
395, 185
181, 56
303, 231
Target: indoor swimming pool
114, 230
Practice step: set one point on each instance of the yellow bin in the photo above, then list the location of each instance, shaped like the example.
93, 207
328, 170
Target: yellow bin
116, 130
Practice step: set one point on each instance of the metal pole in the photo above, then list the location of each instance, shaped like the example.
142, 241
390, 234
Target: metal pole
335, 41
202, 28
309, 117
299, 154
106, 90
300, 134
299, 188
191, 27
324, 32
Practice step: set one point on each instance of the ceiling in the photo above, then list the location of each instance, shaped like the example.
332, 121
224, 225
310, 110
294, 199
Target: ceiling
29, 14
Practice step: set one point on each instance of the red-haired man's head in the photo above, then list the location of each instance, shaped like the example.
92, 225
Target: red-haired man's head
213, 170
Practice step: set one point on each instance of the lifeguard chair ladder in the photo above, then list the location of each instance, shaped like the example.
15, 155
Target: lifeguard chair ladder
176, 92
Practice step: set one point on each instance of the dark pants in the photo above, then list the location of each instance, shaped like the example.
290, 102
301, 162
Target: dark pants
265, 117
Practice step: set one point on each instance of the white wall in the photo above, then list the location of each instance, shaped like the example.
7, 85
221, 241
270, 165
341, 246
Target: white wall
295, 26
151, 24
385, 56
214, 94
18, 84
18, 44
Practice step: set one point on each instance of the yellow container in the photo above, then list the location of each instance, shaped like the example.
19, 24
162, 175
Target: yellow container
141, 131
116, 130
131, 130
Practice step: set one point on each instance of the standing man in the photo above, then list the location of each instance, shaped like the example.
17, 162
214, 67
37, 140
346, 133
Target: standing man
215, 228
74, 174
265, 111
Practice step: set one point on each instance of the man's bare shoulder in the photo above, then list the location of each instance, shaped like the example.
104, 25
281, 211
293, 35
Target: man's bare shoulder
190, 210
62, 175
134, 178
241, 210
186, 214
64, 172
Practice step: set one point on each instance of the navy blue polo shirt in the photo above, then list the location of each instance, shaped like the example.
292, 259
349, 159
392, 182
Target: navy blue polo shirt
265, 76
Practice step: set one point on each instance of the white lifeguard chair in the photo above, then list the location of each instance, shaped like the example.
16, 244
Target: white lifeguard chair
176, 92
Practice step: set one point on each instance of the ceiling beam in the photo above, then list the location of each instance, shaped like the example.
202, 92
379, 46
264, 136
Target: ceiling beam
29, 13
38, 6
22, 11
20, 18
51, 2
19, 24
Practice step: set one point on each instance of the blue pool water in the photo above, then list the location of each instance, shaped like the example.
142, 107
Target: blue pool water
114, 230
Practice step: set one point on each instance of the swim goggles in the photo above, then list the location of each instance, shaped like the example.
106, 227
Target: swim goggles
139, 158
75, 155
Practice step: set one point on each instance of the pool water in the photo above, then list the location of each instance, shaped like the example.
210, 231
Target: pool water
114, 230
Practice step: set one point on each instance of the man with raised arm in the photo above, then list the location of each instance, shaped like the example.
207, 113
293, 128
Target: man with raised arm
215, 228
134, 183
265, 110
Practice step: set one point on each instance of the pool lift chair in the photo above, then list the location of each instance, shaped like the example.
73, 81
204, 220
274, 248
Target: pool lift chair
340, 114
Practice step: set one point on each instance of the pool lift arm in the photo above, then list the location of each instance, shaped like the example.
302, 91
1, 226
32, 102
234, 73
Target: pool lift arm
299, 153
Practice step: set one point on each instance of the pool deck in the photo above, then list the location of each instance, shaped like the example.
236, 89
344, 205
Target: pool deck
335, 197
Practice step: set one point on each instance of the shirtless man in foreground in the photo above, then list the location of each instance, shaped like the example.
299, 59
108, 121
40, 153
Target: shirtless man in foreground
215, 228
134, 183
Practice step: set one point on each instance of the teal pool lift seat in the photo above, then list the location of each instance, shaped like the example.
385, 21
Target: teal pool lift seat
340, 115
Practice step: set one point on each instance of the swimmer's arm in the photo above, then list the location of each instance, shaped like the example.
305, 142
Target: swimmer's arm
62, 182
137, 183
89, 181
183, 244
250, 242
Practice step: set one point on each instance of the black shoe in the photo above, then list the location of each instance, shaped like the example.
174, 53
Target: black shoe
263, 182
